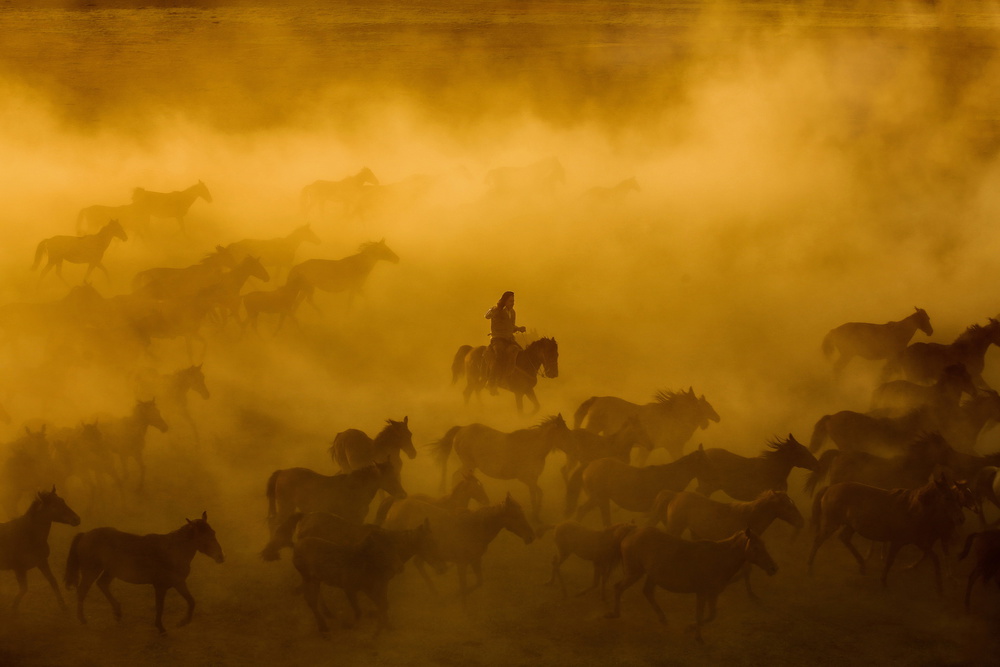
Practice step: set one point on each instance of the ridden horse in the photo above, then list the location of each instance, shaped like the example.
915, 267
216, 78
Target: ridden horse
462, 536
631, 488
172, 389
703, 567
282, 301
339, 275
671, 419
162, 560
516, 455
925, 362
986, 552
347, 192
586, 446
347, 494
924, 456
600, 547
88, 249
170, 204
353, 449
540, 356
745, 478
919, 516
541, 177
898, 397
467, 488
125, 437
24, 541
874, 341
278, 253
130, 216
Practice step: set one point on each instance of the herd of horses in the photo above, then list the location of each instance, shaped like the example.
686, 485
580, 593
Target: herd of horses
906, 472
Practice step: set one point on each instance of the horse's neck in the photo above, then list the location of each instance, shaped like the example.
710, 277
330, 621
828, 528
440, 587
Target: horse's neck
735, 550
182, 546
366, 483
759, 515
490, 520
35, 525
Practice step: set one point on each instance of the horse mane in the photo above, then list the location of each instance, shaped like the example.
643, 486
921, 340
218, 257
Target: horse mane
667, 398
548, 420
369, 244
972, 333
778, 447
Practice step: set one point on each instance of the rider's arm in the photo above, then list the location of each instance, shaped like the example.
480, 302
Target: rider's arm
489, 313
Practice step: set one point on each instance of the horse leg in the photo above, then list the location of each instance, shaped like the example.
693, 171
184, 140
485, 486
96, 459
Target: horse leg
519, 402
894, 548
821, 536
181, 587
352, 598
845, 536
310, 590
534, 399
620, 587
104, 583
973, 576
535, 493
746, 581
161, 594
86, 579
477, 569
419, 564
649, 590
699, 615
22, 587
43, 567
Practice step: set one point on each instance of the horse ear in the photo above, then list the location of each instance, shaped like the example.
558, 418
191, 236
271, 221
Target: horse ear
204, 516
406, 419
53, 488
701, 446
187, 519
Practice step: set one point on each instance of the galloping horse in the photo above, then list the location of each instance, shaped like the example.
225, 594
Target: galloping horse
670, 420
88, 249
745, 478
353, 449
338, 275
104, 554
541, 355
517, 455
346, 191
276, 253
170, 204
874, 341
162, 282
851, 430
925, 362
24, 541
601, 547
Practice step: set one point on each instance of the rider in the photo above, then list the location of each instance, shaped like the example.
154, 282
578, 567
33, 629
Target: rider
503, 348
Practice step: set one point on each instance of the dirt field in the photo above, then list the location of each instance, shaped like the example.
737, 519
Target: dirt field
801, 165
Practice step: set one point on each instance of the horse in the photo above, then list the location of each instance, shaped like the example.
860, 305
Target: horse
346, 191
851, 430
986, 555
600, 547
633, 489
964, 427
924, 456
162, 282
162, 560
88, 249
24, 541
745, 478
125, 437
172, 389
462, 536
703, 567
874, 341
671, 419
466, 489
339, 275
130, 216
898, 397
586, 446
541, 178
517, 455
925, 362
282, 301
353, 449
920, 516
277, 253
170, 204
347, 494
614, 194
540, 356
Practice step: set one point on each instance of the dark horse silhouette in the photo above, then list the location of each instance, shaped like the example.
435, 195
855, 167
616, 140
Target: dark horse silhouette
540, 355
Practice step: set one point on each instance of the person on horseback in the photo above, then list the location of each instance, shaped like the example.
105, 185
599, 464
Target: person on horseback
503, 347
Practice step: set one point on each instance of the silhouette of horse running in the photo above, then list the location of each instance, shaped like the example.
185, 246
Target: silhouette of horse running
161, 560
24, 541
874, 341
353, 449
600, 547
277, 253
671, 419
857, 431
925, 362
347, 495
517, 455
631, 488
703, 567
341, 275
920, 516
88, 249
347, 192
170, 204
540, 356
467, 488
745, 478
163, 282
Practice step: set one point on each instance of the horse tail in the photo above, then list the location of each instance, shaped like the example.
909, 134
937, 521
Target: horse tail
968, 545
822, 468
819, 433
441, 450
582, 411
282, 537
383, 510
828, 345
814, 519
73, 563
573, 486
39, 251
458, 363
272, 510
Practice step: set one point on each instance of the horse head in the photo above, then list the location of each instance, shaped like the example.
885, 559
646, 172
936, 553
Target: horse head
924, 321
202, 191
305, 233
366, 176
195, 379
547, 355
116, 230
471, 485
55, 508
515, 521
705, 409
794, 452
379, 250
403, 436
756, 552
150, 414
784, 508
203, 536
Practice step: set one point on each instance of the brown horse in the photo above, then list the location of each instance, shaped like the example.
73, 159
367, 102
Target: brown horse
466, 489
586, 446
24, 541
462, 535
282, 301
170, 204
163, 282
703, 567
925, 362
986, 552
347, 495
347, 192
920, 516
671, 419
600, 547
874, 341
88, 249
353, 449
538, 357
899, 397
633, 489
517, 455
745, 478
857, 431
347, 274
162, 560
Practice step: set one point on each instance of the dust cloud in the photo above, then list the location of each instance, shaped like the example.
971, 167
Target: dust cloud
800, 165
